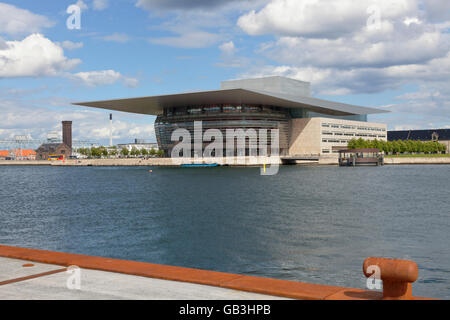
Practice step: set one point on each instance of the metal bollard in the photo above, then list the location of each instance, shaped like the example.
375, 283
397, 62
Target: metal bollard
397, 276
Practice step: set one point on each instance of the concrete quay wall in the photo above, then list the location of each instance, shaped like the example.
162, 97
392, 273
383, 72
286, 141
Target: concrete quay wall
416, 160
324, 160
239, 161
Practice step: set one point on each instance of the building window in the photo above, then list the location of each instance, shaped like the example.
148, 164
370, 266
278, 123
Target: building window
194, 110
229, 108
212, 109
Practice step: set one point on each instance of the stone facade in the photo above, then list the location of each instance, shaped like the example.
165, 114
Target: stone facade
327, 135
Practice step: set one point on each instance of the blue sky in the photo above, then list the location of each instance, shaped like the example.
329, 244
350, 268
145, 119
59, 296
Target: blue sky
392, 55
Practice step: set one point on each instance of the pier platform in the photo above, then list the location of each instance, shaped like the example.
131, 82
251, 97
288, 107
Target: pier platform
47, 275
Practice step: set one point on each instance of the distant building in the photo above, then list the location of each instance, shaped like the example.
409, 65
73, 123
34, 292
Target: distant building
138, 144
18, 154
441, 135
53, 149
306, 125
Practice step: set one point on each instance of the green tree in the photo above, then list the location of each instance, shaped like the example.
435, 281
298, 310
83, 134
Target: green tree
135, 152
113, 153
96, 152
124, 152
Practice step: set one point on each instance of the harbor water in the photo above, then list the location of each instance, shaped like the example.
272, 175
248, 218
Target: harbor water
313, 224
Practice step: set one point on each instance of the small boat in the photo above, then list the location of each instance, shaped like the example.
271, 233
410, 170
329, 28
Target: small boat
199, 165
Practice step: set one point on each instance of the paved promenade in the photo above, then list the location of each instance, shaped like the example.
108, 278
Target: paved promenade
20, 279
42, 275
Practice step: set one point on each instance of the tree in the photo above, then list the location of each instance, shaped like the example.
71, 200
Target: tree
144, 152
113, 152
124, 152
96, 152
134, 152
399, 146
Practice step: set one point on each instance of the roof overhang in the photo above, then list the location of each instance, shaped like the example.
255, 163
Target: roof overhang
155, 105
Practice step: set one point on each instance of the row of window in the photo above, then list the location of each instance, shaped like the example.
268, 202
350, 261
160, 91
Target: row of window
352, 134
217, 108
328, 151
346, 126
334, 141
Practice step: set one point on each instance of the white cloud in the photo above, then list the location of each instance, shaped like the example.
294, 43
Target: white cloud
32, 57
228, 48
362, 50
16, 21
69, 45
98, 78
100, 4
319, 18
103, 78
37, 56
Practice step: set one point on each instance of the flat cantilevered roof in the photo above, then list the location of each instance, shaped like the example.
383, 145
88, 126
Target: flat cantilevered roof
155, 105
284, 92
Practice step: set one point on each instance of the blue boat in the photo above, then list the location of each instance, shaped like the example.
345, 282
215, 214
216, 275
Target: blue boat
199, 165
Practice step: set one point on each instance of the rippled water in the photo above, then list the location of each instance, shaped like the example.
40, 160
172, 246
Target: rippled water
312, 224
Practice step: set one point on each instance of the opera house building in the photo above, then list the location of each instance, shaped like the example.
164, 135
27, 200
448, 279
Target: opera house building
307, 125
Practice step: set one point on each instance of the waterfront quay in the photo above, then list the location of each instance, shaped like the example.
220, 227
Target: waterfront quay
168, 162
47, 275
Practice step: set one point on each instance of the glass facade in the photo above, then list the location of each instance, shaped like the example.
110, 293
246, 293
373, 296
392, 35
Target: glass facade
223, 117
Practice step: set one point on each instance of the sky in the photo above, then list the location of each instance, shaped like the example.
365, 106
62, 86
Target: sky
393, 55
